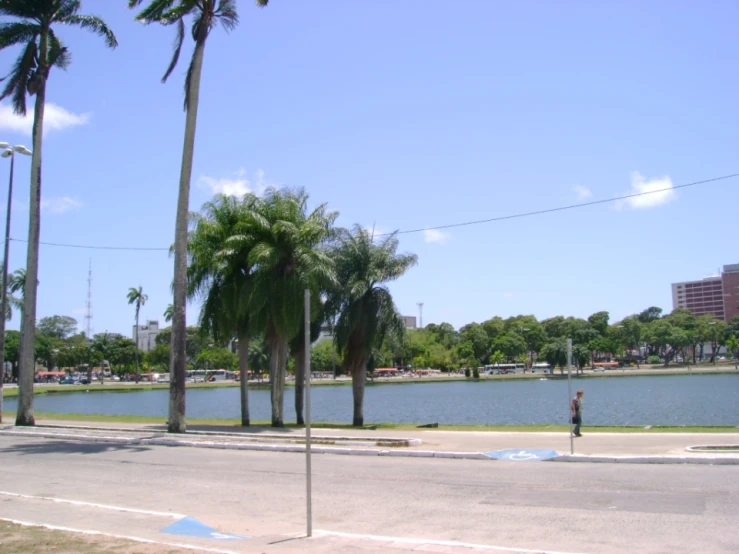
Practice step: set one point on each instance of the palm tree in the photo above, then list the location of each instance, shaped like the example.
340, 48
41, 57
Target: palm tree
41, 50
287, 257
219, 273
297, 349
206, 14
365, 306
136, 296
168, 313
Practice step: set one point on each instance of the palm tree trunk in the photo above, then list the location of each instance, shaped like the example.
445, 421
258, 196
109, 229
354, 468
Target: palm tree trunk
27, 359
244, 384
176, 422
278, 358
359, 376
299, 385
136, 350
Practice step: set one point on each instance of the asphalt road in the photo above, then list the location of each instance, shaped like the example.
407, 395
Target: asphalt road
526, 507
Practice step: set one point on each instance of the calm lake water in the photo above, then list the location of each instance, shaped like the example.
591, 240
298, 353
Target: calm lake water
638, 400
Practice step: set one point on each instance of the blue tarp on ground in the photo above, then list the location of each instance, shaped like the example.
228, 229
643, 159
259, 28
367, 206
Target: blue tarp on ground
523, 455
191, 527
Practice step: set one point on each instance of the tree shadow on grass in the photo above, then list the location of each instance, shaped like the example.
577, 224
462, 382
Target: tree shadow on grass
71, 447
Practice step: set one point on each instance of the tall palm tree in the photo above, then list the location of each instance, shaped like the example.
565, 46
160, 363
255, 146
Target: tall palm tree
168, 312
219, 273
365, 306
206, 14
287, 257
33, 30
136, 296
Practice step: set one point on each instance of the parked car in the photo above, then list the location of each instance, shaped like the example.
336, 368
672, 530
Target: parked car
599, 369
84, 381
67, 381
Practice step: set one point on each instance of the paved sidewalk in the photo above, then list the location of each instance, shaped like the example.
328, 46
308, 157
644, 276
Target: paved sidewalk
591, 447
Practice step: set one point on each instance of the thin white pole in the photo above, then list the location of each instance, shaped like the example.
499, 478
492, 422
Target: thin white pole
569, 393
309, 508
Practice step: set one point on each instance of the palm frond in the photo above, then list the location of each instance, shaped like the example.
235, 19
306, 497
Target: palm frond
59, 55
91, 23
154, 11
19, 77
178, 41
227, 15
17, 33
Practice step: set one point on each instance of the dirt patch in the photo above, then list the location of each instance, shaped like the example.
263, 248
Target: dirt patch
20, 539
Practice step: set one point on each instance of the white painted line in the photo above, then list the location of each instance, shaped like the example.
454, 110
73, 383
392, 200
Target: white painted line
120, 537
437, 542
94, 505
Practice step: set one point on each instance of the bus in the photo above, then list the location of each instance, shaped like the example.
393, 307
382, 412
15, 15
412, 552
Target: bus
499, 369
221, 375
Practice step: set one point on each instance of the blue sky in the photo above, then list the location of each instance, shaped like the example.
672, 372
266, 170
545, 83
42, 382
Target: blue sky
406, 115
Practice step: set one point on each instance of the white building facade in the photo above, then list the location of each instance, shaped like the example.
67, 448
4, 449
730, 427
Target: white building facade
147, 335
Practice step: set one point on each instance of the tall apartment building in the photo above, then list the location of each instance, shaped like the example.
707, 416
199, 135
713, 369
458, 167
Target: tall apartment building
147, 335
730, 279
718, 296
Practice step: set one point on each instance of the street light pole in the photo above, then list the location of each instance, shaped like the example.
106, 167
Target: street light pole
8, 151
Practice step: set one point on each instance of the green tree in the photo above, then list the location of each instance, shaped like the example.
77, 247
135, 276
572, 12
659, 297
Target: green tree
137, 297
599, 322
732, 346
57, 326
220, 274
365, 306
169, 310
650, 314
323, 355
555, 354
158, 356
512, 345
288, 257
717, 336
206, 14
476, 335
33, 29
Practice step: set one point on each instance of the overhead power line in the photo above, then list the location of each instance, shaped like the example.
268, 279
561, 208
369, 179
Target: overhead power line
448, 226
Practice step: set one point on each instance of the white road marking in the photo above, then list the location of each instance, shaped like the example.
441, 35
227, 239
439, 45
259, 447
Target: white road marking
93, 505
438, 543
121, 537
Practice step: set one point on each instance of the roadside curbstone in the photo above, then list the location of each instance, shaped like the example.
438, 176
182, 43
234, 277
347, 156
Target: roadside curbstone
720, 459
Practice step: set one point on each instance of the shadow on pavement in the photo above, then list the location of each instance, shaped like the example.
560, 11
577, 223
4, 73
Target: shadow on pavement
71, 447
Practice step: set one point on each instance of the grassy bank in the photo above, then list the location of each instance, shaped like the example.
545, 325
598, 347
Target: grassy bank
235, 423
111, 386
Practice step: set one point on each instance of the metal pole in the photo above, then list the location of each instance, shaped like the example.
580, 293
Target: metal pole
4, 308
569, 392
309, 509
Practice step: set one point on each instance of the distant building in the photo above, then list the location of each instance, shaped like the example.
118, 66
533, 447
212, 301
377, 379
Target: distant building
147, 335
410, 321
718, 295
730, 279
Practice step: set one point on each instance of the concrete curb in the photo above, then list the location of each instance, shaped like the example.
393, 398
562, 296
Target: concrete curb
705, 460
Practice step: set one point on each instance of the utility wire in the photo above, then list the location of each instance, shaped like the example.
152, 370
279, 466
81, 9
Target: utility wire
449, 226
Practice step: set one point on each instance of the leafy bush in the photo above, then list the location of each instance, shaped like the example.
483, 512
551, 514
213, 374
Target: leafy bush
653, 360
467, 372
475, 374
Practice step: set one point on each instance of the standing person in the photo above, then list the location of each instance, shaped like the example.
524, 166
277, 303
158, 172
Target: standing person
576, 409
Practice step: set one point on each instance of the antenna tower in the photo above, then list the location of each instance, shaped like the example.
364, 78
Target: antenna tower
88, 312
420, 315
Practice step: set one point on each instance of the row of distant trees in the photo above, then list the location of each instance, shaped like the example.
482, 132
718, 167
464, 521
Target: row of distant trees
525, 339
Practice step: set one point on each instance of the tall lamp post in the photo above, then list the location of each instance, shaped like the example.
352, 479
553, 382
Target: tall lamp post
7, 151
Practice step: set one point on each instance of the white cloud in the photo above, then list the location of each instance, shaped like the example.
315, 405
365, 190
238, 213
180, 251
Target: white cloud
640, 185
582, 192
56, 118
508, 295
59, 205
435, 236
238, 185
